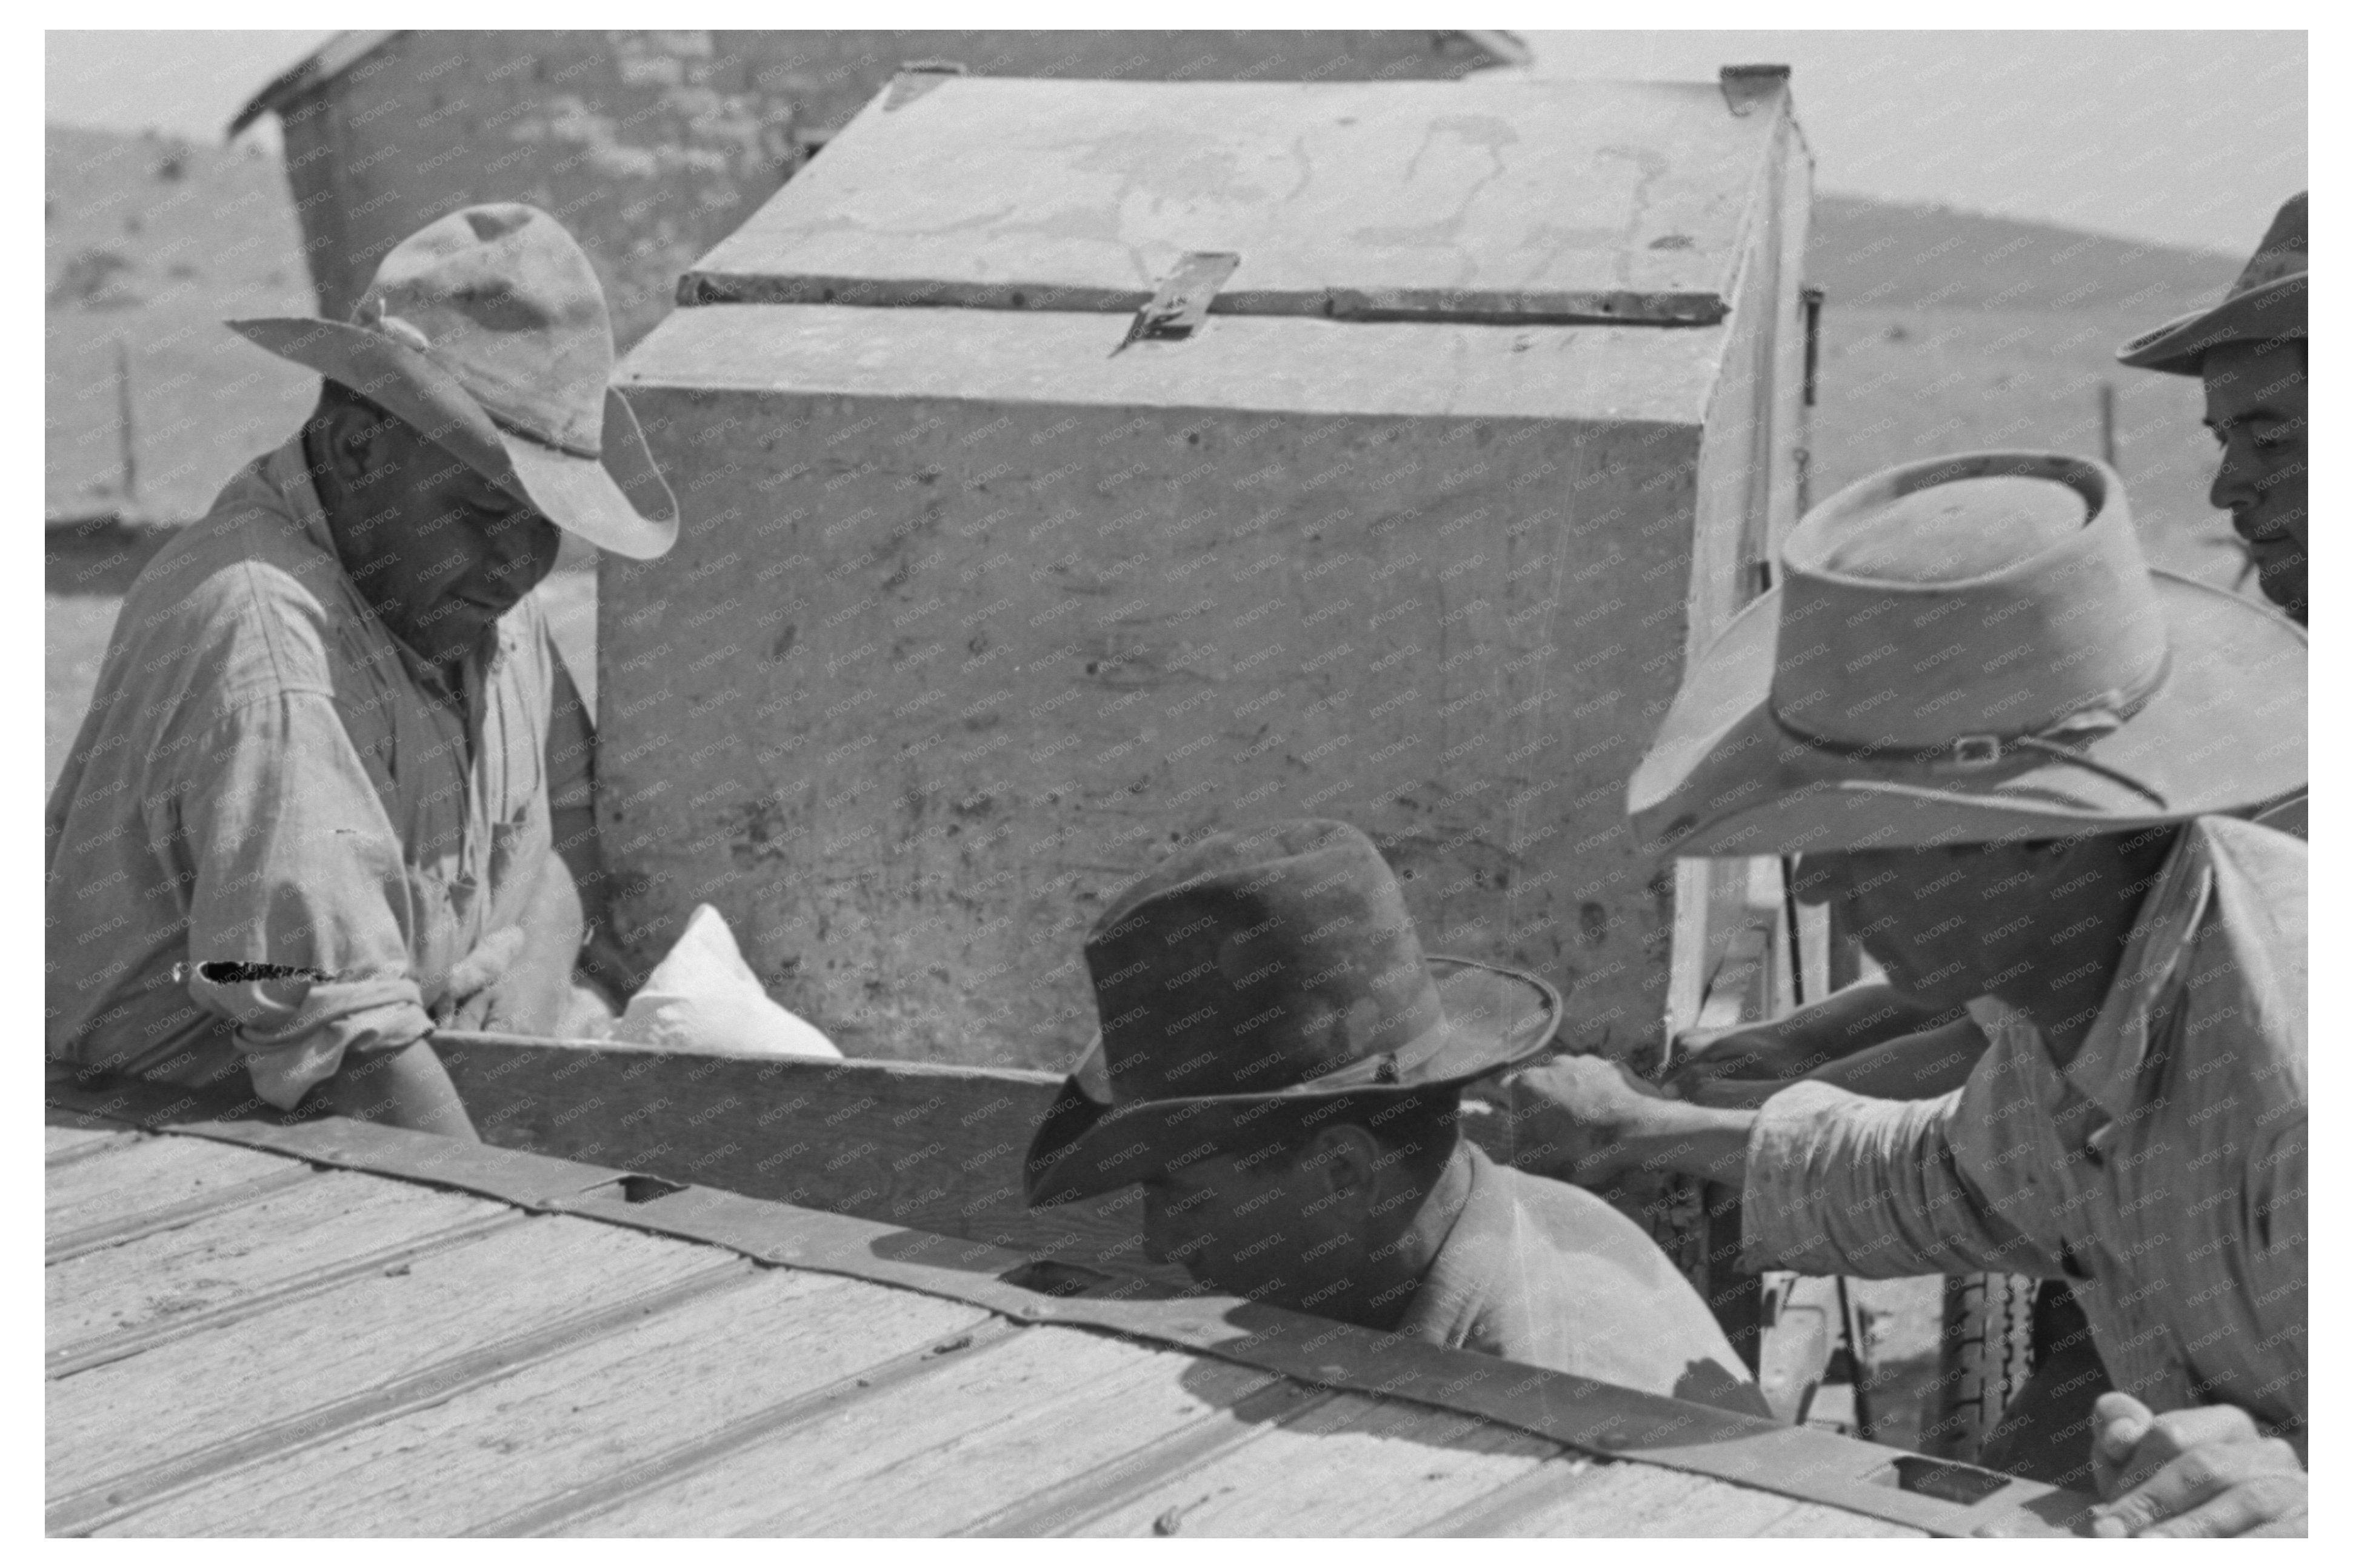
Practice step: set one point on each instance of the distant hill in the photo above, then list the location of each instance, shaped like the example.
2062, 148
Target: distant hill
150, 241
1881, 255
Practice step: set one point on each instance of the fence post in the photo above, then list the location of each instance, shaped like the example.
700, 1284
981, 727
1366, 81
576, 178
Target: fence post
2108, 423
122, 421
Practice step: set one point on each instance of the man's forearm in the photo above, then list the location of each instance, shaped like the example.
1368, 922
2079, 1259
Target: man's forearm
405, 1087
1707, 1142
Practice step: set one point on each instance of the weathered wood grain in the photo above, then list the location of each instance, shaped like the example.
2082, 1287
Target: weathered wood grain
1243, 1402
574, 1418
1353, 1467
62, 1145
1037, 1446
154, 1174
1813, 1520
929, 1147
1639, 1499
116, 1419
214, 1262
1592, 198
852, 1446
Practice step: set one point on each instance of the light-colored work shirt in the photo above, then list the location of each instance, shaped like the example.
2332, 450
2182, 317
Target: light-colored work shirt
268, 775
1538, 1271
2161, 1170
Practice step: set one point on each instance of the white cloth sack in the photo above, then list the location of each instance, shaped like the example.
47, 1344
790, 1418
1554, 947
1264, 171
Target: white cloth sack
703, 999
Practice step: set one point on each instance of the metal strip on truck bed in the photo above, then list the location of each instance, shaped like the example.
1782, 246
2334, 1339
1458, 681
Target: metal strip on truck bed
324, 1327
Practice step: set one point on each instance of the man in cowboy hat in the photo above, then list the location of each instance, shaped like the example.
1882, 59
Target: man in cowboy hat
311, 814
2250, 351
2013, 754
1281, 1068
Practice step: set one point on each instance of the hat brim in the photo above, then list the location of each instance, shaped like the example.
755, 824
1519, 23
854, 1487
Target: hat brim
1087, 1144
2274, 310
2225, 732
618, 503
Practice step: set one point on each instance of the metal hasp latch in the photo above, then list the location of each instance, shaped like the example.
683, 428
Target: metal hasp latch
917, 78
1745, 87
1181, 302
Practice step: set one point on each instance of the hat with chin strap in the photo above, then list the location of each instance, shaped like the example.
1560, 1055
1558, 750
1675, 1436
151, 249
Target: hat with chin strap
1972, 650
486, 332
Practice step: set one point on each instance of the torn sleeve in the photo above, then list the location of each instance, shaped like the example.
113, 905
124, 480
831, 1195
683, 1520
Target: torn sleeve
292, 863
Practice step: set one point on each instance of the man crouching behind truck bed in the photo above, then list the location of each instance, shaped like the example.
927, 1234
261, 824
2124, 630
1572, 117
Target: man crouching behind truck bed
1281, 1068
308, 816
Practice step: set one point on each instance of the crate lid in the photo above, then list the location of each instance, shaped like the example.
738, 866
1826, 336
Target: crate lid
1504, 201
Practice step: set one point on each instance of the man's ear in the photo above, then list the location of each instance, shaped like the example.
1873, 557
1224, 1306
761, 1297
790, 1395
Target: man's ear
357, 436
1344, 1157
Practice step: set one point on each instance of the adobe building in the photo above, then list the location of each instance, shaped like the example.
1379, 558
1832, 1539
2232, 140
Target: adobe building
653, 146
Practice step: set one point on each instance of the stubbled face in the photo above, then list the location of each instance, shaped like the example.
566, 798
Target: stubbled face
438, 551
2255, 404
1258, 1226
1950, 924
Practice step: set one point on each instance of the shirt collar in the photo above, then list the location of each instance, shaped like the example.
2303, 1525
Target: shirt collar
2108, 1070
287, 471
1454, 1292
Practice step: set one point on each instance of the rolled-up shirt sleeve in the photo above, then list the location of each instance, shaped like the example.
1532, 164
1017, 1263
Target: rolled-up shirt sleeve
1838, 1183
292, 863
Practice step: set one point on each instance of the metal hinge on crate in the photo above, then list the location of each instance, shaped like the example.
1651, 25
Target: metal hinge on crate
1181, 301
917, 78
1745, 87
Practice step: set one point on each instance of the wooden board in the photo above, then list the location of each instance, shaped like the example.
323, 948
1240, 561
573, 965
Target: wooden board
279, 1363
1039, 1446
959, 755
1490, 198
931, 1148
63, 1145
149, 1176
1351, 1467
848, 1447
574, 1418
267, 1246
1624, 1500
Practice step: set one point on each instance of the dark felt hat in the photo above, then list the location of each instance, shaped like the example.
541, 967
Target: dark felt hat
2266, 303
1264, 968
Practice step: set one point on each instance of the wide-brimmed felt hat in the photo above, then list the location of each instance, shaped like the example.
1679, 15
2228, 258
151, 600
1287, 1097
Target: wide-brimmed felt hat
1972, 650
2268, 302
1271, 968
486, 331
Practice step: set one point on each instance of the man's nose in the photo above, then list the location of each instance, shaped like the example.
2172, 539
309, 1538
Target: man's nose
2234, 489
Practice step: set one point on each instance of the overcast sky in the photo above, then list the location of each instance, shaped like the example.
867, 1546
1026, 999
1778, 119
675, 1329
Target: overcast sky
2191, 138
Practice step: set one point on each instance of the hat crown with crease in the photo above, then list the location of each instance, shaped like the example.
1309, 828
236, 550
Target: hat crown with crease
485, 332
2268, 302
1253, 962
1262, 968
1960, 599
508, 302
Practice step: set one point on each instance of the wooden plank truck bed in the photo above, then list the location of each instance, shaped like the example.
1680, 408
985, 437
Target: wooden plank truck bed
262, 1326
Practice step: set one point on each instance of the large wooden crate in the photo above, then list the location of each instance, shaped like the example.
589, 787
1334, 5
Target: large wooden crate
975, 611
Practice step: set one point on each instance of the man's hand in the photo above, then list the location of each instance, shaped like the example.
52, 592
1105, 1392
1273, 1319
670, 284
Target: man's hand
2196, 1472
1570, 1116
471, 991
1769, 1052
